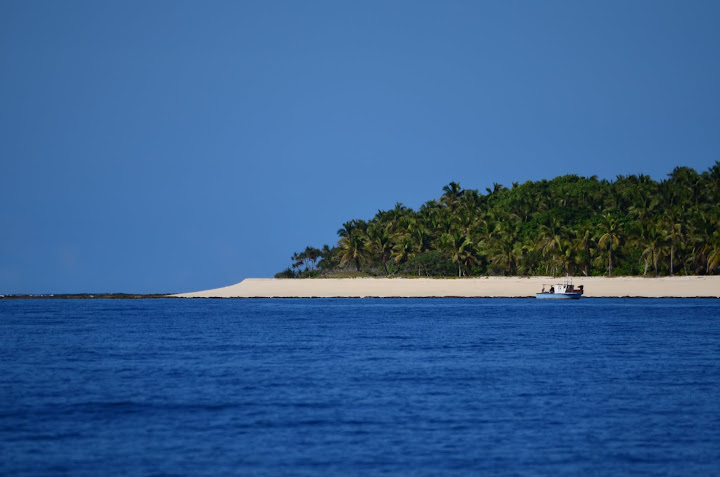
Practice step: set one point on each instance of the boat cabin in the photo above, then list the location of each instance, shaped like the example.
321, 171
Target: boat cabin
562, 288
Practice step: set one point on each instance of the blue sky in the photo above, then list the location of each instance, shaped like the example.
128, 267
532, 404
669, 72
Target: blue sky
171, 146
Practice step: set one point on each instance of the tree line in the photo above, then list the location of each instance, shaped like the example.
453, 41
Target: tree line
568, 225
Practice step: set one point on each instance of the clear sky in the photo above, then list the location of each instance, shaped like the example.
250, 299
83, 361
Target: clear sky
167, 146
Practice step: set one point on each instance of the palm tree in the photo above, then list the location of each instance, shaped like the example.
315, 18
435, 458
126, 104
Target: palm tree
653, 249
352, 243
328, 259
495, 189
610, 236
379, 243
460, 248
673, 236
415, 229
582, 240
352, 249
505, 248
404, 248
705, 237
551, 241
451, 194
712, 184
643, 206
713, 252
506, 252
463, 220
472, 200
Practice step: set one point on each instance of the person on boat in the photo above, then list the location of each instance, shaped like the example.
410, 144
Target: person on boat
552, 289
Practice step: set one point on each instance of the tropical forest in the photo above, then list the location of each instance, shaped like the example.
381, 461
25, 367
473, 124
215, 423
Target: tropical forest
572, 225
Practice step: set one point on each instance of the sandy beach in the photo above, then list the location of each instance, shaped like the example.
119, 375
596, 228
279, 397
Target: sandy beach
671, 287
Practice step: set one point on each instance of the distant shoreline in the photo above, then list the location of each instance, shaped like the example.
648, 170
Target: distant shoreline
486, 287
83, 296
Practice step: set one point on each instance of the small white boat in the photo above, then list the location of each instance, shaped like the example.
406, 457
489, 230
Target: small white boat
561, 291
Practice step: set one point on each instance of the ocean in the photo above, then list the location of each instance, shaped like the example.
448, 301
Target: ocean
319, 387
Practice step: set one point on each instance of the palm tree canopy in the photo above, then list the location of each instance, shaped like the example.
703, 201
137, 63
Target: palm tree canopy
568, 224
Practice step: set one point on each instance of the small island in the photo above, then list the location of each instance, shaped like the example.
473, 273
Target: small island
632, 237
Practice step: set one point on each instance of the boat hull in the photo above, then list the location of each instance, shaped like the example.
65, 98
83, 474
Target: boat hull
558, 296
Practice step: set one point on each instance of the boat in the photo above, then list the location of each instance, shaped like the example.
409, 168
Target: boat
561, 291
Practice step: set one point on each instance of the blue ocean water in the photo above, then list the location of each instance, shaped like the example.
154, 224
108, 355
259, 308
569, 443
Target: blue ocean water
360, 387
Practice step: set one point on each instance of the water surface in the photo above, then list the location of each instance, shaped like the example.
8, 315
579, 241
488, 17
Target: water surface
360, 387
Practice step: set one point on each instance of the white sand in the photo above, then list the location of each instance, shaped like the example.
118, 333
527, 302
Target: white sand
675, 287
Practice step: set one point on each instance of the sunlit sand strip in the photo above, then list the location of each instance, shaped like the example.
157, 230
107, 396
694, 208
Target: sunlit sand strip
671, 287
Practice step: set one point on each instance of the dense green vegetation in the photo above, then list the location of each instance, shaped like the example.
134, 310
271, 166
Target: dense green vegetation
581, 226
